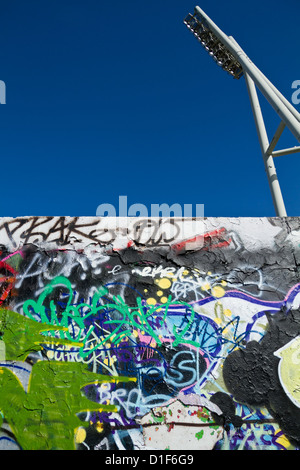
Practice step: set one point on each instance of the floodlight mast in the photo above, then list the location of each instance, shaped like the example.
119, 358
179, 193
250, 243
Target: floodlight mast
230, 56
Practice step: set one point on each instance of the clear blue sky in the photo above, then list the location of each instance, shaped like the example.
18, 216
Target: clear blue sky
118, 98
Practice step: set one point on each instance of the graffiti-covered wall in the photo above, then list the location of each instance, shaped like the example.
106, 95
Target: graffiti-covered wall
130, 334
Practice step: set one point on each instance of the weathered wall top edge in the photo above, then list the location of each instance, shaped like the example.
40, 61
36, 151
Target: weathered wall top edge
181, 234
88, 217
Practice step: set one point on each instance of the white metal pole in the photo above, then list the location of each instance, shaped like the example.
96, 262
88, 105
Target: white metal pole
264, 144
276, 137
289, 151
280, 95
290, 120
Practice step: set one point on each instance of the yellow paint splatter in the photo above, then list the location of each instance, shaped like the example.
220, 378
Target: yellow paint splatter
227, 312
218, 291
80, 435
99, 426
164, 300
108, 361
151, 301
159, 293
164, 283
205, 286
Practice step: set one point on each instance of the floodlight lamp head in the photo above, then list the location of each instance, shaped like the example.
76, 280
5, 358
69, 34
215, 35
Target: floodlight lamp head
223, 57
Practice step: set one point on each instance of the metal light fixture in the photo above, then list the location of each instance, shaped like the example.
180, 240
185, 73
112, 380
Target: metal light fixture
213, 45
229, 55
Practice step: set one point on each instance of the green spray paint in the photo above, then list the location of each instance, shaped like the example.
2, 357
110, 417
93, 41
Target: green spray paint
199, 434
22, 335
45, 417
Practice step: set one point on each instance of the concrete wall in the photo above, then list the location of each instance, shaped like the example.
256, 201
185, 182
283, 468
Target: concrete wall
131, 337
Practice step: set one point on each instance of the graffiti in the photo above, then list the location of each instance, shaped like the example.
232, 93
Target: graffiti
7, 280
112, 340
166, 423
21, 335
215, 239
64, 231
256, 367
288, 370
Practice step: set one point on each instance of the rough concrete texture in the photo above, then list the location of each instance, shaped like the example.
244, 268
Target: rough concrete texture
129, 333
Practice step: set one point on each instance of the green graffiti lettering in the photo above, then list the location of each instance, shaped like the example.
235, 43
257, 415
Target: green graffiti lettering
124, 323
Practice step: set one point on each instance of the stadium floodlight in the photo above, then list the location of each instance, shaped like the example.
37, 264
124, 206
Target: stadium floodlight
229, 55
213, 45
